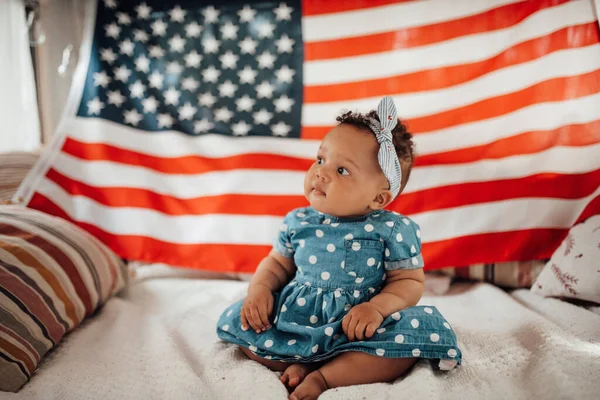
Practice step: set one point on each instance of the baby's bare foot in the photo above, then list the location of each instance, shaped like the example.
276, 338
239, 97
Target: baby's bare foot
311, 388
295, 373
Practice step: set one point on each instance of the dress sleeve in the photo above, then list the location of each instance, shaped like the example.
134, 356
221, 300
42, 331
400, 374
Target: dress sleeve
283, 244
403, 247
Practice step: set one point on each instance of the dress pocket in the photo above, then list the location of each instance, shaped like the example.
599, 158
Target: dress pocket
362, 256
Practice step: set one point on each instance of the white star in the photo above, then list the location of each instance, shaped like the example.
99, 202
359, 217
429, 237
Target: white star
229, 60
172, 96
159, 28
110, 3
245, 103
266, 60
174, 68
281, 129
165, 121
142, 63
207, 99
95, 106
156, 52
156, 79
223, 114
116, 98
112, 30
137, 90
108, 55
241, 128
262, 117
177, 14
132, 117
143, 11
101, 79
246, 14
285, 74
211, 45
190, 84
247, 75
229, 30
211, 14
211, 74
123, 18
122, 73
248, 46
283, 12
265, 30
177, 43
227, 89
203, 126
284, 44
187, 111
150, 104
284, 103
127, 47
265, 89
193, 59
140, 36
193, 29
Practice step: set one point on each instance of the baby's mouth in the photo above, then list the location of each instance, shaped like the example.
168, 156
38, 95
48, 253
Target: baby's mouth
318, 192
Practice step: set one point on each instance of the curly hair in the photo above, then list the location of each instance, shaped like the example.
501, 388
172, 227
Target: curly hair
401, 137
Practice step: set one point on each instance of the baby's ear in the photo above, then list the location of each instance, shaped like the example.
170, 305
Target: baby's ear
382, 199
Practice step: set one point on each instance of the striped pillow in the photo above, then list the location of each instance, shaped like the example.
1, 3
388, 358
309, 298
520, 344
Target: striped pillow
53, 275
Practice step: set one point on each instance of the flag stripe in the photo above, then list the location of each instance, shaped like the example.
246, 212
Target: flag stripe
518, 80
452, 52
524, 143
499, 18
523, 213
393, 17
317, 7
431, 79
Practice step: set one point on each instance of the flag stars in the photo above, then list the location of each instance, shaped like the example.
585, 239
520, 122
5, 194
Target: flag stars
229, 60
115, 98
159, 28
95, 106
101, 79
285, 44
262, 117
284, 104
132, 117
223, 114
241, 128
123, 18
245, 103
177, 14
137, 90
150, 105
187, 111
143, 11
211, 15
126, 47
247, 14
281, 129
229, 31
265, 30
177, 44
156, 52
172, 96
108, 55
227, 89
265, 90
142, 63
140, 36
113, 30
248, 46
211, 45
193, 59
247, 75
266, 60
193, 30
285, 74
283, 12
207, 99
211, 74
164, 121
204, 125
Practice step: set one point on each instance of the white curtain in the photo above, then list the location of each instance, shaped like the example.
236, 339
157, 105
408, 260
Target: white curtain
19, 120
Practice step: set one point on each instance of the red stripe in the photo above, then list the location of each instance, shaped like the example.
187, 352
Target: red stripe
548, 185
485, 248
319, 7
499, 18
182, 165
541, 185
568, 38
524, 143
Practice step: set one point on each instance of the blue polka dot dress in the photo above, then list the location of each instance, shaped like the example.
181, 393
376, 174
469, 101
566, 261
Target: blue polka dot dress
342, 263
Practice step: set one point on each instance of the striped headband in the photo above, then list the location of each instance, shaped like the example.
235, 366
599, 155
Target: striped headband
387, 157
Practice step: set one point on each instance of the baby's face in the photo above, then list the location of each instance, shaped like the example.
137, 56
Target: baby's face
346, 178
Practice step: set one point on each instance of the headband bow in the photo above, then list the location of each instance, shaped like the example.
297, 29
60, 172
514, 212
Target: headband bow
387, 157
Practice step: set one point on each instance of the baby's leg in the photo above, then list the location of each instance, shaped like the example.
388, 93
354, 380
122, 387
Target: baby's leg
272, 365
352, 368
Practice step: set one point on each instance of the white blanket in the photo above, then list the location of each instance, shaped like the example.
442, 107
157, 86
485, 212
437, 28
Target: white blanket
158, 341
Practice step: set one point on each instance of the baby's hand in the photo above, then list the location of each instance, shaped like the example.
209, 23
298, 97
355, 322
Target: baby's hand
257, 308
361, 322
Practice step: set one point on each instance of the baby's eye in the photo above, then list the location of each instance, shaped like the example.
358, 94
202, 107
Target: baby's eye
343, 171
319, 160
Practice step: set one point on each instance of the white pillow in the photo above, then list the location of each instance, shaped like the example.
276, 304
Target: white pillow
574, 269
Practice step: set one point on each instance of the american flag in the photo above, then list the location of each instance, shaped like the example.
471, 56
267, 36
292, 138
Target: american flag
190, 123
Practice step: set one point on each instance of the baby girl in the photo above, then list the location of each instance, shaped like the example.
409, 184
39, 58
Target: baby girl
334, 303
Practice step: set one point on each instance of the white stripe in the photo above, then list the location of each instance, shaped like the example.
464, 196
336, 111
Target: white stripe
538, 117
560, 160
391, 18
462, 50
564, 63
176, 144
186, 229
182, 186
502, 216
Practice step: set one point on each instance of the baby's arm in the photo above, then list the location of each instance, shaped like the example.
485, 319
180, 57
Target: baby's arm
403, 289
273, 272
